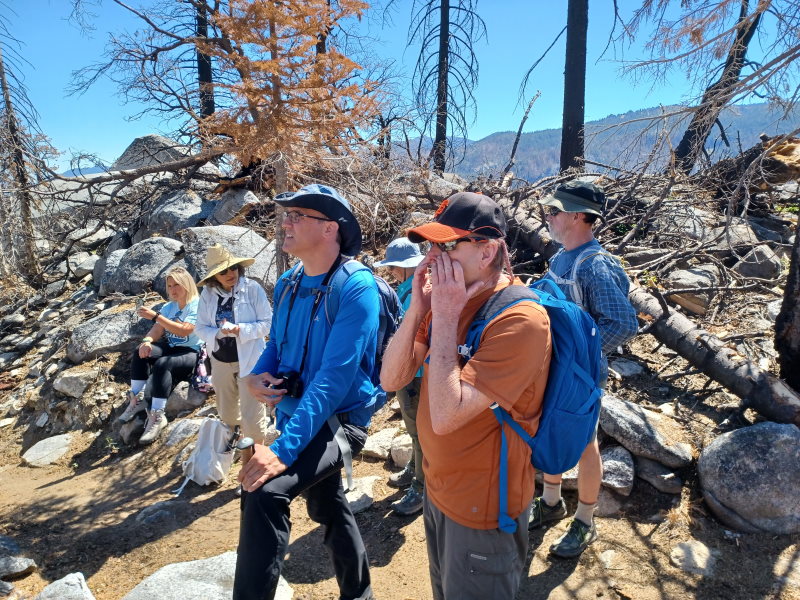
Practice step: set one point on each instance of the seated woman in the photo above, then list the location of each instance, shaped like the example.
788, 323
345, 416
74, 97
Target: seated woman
233, 319
168, 352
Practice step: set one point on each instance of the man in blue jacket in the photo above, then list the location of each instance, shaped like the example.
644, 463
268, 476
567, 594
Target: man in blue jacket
316, 372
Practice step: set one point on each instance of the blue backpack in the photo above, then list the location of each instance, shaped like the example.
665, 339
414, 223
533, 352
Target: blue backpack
571, 405
389, 316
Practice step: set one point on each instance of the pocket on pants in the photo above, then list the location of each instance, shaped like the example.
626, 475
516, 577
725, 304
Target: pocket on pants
483, 564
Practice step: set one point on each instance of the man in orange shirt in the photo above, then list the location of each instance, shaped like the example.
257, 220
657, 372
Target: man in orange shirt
469, 556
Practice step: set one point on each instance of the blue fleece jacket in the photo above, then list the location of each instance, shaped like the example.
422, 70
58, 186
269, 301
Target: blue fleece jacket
340, 357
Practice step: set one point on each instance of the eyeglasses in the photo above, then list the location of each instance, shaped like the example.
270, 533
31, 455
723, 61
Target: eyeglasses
551, 211
294, 216
225, 271
450, 246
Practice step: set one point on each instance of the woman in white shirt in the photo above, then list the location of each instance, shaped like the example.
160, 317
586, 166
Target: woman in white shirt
168, 352
233, 318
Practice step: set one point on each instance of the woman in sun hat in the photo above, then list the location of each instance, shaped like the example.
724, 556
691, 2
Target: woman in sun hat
167, 353
402, 257
233, 319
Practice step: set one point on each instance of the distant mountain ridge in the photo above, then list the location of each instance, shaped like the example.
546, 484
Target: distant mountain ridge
623, 146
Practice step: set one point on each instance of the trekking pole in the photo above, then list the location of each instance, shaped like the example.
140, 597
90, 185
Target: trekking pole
233, 439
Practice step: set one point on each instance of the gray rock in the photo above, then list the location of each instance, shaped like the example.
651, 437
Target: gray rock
174, 211
120, 241
402, 450
8, 546
74, 382
42, 420
106, 269
657, 475
750, 478
626, 368
47, 451
106, 333
6, 422
6, 588
231, 204
15, 567
683, 218
209, 579
87, 266
184, 398
696, 277
160, 512
149, 150
645, 432
774, 309
361, 497
48, 314
12, 321
380, 443
73, 260
694, 557
608, 504
71, 587
739, 235
240, 241
140, 265
181, 430
132, 430
618, 471
760, 262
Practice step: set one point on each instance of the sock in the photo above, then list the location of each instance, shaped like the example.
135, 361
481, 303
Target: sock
551, 493
158, 404
137, 385
585, 512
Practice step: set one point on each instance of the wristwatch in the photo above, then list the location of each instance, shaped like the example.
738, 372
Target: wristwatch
155, 316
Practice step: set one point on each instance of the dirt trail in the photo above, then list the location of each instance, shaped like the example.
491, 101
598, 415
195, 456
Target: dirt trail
81, 516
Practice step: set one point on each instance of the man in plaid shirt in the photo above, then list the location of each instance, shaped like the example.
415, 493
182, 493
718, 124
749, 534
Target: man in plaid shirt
595, 281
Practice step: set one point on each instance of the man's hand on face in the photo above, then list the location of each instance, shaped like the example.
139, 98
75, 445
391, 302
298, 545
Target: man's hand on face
260, 387
263, 466
449, 293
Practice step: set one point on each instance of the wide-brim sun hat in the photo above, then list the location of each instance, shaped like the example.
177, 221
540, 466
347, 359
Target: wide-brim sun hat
330, 203
402, 253
577, 197
461, 215
219, 258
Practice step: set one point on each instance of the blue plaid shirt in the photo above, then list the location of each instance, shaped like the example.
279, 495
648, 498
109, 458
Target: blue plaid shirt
604, 287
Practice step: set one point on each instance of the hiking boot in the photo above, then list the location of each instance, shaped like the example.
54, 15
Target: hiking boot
136, 404
408, 505
578, 536
402, 478
156, 422
542, 512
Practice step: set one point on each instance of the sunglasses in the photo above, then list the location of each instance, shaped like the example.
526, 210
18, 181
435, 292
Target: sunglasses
226, 271
551, 211
450, 246
294, 217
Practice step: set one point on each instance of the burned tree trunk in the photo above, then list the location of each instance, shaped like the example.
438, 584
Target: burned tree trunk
574, 85
787, 325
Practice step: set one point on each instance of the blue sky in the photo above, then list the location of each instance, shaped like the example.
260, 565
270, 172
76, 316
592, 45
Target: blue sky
518, 32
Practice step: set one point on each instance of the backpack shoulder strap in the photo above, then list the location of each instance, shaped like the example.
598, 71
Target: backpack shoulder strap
496, 304
334, 288
287, 283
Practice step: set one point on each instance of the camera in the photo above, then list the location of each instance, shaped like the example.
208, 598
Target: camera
291, 383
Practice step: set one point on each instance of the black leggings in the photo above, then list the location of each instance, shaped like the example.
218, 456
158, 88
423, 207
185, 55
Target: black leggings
169, 364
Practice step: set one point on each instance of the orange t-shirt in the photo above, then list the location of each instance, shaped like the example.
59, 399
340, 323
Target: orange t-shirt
510, 367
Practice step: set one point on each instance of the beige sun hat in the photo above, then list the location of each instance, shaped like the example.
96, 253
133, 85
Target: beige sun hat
219, 258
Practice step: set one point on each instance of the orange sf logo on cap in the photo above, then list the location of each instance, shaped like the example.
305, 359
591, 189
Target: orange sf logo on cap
440, 210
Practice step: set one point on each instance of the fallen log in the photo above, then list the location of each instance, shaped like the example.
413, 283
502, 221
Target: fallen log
768, 395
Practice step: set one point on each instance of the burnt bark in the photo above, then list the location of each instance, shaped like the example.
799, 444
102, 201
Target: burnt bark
204, 74
717, 95
572, 135
443, 68
787, 325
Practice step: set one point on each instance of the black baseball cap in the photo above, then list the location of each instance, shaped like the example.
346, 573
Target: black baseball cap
461, 215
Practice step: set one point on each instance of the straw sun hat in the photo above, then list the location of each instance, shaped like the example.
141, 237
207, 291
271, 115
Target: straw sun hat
219, 258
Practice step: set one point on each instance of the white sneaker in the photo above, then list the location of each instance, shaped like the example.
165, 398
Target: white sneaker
156, 422
136, 404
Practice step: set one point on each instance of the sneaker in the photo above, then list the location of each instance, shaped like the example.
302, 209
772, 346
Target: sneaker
575, 540
408, 505
136, 404
542, 512
156, 422
402, 478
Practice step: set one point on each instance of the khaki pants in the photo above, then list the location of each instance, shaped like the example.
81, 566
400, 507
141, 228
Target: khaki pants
473, 564
408, 397
235, 404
